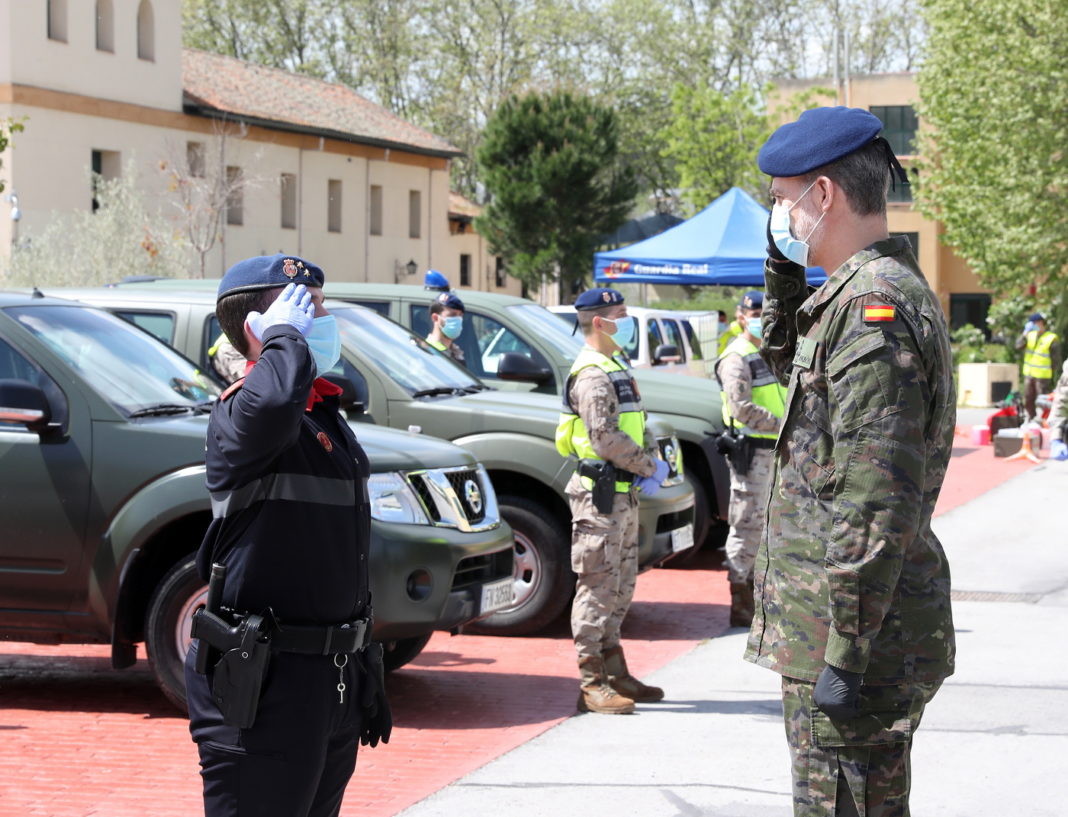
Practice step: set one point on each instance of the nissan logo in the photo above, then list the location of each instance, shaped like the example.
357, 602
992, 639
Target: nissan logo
669, 455
473, 496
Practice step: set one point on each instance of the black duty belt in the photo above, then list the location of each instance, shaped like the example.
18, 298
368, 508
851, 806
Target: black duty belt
594, 469
762, 442
335, 639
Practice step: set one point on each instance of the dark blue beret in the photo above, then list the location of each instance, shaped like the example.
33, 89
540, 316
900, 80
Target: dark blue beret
450, 300
268, 272
818, 137
596, 298
753, 299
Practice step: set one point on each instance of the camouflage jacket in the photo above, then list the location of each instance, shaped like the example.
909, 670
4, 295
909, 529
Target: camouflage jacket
849, 571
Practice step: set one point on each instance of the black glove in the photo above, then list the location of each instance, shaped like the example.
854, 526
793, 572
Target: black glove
780, 263
377, 716
837, 693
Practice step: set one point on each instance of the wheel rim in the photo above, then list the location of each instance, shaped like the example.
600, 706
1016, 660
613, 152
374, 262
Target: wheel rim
528, 572
184, 622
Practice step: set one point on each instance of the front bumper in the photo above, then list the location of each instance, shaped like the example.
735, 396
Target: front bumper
658, 516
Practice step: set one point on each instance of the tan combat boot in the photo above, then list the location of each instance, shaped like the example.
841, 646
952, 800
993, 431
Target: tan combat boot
596, 695
743, 606
624, 683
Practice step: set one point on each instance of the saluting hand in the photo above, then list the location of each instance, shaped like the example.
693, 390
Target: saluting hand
293, 306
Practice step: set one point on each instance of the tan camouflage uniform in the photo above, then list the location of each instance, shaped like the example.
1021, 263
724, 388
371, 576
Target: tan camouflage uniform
849, 572
604, 547
748, 491
228, 362
1058, 411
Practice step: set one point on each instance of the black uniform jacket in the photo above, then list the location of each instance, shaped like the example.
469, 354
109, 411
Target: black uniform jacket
288, 484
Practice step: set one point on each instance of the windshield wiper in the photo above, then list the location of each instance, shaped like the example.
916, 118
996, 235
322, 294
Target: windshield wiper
437, 391
163, 409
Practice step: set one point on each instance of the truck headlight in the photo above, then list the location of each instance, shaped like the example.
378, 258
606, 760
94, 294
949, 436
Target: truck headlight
392, 500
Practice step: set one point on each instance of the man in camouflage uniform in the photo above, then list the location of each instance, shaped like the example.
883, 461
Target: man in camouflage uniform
752, 408
446, 324
1058, 418
602, 422
852, 585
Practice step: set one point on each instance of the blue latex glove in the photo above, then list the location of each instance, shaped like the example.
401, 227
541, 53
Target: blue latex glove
661, 473
1028, 327
1058, 450
648, 485
837, 693
293, 306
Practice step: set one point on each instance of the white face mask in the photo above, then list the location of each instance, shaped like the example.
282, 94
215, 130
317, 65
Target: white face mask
796, 249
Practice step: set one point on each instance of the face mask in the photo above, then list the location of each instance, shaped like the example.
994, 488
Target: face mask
753, 325
324, 342
793, 248
723, 327
452, 327
624, 333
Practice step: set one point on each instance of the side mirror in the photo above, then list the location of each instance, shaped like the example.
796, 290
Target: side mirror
516, 366
350, 400
666, 353
23, 402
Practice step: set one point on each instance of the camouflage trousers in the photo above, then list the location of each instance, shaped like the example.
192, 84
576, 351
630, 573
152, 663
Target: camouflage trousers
604, 556
856, 767
746, 515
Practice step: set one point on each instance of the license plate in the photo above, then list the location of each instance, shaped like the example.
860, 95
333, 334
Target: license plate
497, 595
682, 538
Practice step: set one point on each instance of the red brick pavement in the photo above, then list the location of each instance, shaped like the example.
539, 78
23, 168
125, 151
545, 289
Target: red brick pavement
80, 739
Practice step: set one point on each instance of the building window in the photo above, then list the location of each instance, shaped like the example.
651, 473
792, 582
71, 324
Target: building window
57, 20
106, 165
969, 308
498, 272
235, 196
415, 211
899, 127
333, 205
289, 201
105, 26
465, 270
146, 32
376, 209
195, 158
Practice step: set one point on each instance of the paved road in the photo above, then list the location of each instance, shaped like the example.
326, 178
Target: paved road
992, 744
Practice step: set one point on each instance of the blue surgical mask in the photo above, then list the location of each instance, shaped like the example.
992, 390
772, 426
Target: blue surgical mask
796, 249
723, 327
324, 342
624, 333
452, 327
753, 325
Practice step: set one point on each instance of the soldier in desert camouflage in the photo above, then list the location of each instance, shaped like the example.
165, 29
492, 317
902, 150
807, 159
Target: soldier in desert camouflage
752, 409
852, 585
602, 422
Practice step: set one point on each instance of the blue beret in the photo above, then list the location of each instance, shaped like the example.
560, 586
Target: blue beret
450, 300
435, 280
596, 298
753, 299
268, 272
818, 137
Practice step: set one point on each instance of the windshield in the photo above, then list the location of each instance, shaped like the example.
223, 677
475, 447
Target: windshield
405, 358
125, 365
547, 326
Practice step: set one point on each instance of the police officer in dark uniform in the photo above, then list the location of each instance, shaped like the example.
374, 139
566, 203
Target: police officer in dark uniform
283, 683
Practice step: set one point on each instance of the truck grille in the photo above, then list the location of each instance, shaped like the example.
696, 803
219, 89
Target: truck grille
457, 497
471, 493
489, 567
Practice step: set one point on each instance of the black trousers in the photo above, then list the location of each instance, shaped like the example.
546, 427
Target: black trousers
298, 756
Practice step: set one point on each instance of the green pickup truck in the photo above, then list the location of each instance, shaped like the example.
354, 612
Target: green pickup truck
513, 343
394, 378
103, 502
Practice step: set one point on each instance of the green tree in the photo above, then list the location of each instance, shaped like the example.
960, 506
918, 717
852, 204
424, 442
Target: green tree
550, 164
993, 162
8, 127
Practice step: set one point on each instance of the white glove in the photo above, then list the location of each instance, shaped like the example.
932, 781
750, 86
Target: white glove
293, 306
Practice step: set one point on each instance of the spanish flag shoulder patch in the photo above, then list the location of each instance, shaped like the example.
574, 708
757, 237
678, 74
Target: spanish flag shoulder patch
878, 312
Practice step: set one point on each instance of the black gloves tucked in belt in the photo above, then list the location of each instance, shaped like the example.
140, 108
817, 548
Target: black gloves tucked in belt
377, 716
837, 693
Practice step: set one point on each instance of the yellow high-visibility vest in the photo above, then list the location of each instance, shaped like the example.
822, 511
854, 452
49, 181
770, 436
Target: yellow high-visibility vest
768, 392
1037, 362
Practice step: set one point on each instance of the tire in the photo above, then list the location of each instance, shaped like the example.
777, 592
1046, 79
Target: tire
395, 654
167, 623
544, 582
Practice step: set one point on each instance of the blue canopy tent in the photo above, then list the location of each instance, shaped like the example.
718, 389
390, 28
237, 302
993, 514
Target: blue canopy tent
726, 243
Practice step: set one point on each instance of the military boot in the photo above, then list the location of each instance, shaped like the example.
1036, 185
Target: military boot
624, 683
743, 606
595, 695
